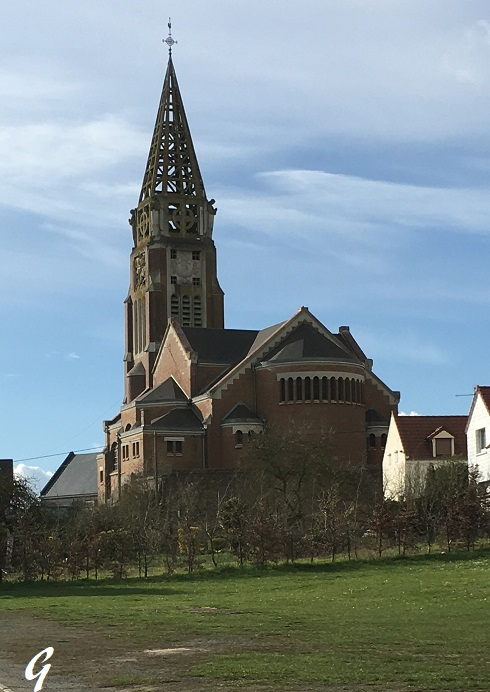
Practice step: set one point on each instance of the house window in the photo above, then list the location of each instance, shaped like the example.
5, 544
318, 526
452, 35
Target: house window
282, 394
290, 389
125, 452
384, 437
333, 389
196, 281
136, 449
239, 438
101, 475
173, 254
174, 448
196, 254
174, 306
481, 440
372, 441
443, 447
173, 279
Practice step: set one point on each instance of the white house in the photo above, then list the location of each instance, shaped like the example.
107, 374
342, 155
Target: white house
415, 443
478, 432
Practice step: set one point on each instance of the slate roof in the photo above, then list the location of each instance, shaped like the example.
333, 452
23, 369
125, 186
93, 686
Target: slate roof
76, 477
307, 343
168, 391
241, 414
220, 346
416, 433
375, 418
178, 420
263, 335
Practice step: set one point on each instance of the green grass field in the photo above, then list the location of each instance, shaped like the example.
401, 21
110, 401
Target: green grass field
408, 624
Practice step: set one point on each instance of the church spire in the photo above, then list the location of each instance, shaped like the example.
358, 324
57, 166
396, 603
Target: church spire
172, 165
173, 261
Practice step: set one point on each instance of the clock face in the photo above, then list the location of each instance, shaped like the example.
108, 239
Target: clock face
184, 267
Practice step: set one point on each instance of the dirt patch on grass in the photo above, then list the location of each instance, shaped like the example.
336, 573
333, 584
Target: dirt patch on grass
88, 660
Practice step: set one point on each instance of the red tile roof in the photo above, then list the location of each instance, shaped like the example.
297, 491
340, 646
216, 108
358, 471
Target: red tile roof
416, 433
485, 395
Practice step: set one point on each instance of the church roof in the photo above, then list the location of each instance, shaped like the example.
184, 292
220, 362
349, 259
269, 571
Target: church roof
76, 477
241, 414
172, 165
168, 391
178, 420
416, 433
220, 346
307, 343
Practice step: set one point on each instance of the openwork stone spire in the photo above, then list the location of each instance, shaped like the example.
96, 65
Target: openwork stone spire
172, 163
172, 198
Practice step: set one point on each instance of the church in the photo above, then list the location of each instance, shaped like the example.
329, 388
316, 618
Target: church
195, 393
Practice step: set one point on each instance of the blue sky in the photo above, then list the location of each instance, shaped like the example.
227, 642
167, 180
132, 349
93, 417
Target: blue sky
347, 145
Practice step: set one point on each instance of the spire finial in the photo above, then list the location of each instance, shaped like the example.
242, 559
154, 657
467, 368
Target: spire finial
169, 40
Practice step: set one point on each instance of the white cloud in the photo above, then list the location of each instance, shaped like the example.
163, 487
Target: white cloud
72, 356
37, 476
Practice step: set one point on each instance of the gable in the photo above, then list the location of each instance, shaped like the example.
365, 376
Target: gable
77, 476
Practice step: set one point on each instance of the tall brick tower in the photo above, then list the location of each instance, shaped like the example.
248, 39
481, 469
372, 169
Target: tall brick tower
173, 260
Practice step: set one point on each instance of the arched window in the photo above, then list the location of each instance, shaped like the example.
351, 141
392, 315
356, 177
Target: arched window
197, 311
372, 441
307, 389
316, 389
290, 389
347, 390
114, 459
325, 388
340, 384
299, 389
358, 391
282, 390
174, 305
186, 311
362, 392
128, 427
238, 438
333, 389
383, 440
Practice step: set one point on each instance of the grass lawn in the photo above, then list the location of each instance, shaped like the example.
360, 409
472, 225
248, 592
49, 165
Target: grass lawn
412, 624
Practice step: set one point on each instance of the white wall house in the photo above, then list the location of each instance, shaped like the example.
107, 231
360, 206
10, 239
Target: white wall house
478, 432
414, 444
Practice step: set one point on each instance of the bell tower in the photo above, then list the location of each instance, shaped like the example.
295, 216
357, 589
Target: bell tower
173, 260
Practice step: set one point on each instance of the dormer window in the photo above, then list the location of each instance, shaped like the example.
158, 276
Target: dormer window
444, 447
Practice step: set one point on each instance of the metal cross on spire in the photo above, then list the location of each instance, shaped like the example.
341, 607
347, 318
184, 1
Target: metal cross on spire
169, 40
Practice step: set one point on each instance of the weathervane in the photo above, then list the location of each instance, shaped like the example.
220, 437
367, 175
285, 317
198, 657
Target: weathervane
169, 40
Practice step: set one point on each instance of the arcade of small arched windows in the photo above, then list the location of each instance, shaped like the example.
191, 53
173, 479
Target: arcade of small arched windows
321, 390
188, 309
373, 441
240, 437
